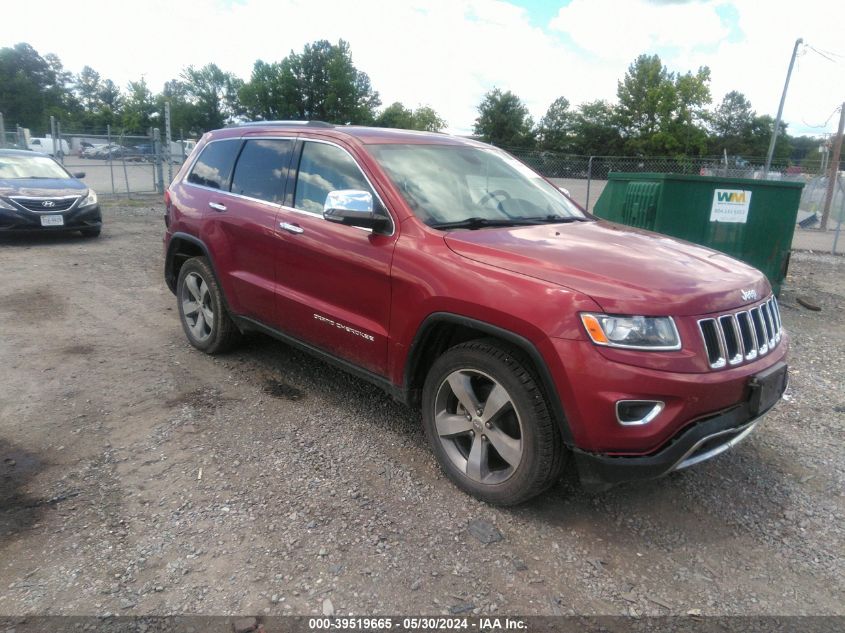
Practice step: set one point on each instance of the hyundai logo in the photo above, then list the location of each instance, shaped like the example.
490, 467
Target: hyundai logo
48, 204
748, 295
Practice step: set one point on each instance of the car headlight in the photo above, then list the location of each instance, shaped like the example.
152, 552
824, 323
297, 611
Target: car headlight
632, 332
6, 205
91, 199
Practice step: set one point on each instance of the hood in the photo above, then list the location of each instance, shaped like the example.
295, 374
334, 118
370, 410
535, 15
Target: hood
625, 270
42, 187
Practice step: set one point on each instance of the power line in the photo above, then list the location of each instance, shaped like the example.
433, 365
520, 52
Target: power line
825, 54
835, 110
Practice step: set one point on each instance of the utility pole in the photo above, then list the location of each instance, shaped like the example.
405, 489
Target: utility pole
833, 175
798, 42
168, 142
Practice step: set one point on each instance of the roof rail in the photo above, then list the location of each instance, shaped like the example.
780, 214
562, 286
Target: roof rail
303, 123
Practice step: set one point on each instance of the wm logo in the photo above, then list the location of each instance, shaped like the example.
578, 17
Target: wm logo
731, 196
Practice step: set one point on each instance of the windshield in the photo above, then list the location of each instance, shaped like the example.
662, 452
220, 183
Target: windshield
447, 185
35, 166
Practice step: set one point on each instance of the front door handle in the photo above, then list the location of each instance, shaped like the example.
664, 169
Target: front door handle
291, 228
217, 206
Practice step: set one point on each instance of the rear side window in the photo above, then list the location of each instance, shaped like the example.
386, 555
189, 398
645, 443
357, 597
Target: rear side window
324, 168
262, 169
214, 165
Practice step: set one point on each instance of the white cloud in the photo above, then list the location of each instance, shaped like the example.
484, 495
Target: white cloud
619, 31
447, 54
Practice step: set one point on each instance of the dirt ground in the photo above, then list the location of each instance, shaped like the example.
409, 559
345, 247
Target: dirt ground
139, 476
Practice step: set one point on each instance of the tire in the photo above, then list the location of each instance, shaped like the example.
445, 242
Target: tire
91, 232
527, 456
200, 300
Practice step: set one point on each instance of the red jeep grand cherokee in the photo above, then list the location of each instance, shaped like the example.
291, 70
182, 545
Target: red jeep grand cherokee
460, 281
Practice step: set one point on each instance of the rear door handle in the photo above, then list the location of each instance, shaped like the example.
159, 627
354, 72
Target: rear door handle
291, 228
217, 206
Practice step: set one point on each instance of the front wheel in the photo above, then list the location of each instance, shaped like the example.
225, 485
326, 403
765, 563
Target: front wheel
203, 313
489, 424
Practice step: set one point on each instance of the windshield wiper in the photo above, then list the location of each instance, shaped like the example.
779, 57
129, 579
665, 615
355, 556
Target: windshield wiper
558, 219
480, 223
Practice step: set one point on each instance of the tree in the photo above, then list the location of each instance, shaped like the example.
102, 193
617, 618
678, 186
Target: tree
646, 100
321, 83
689, 118
504, 120
110, 96
185, 116
88, 89
138, 108
759, 136
30, 88
554, 131
663, 113
731, 122
595, 130
261, 98
397, 115
214, 93
427, 120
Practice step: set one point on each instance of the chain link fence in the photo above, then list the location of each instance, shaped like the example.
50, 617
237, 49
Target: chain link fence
114, 164
585, 178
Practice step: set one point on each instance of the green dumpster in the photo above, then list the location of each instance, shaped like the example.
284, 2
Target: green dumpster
751, 220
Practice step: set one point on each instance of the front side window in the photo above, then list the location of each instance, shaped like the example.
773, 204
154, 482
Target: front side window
478, 186
214, 165
262, 169
324, 168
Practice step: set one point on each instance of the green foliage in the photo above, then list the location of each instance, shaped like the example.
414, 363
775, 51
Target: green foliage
32, 88
397, 115
658, 112
554, 132
595, 130
138, 108
214, 94
262, 96
503, 120
661, 113
321, 83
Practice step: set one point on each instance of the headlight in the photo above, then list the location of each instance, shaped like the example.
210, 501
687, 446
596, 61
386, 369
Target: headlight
91, 199
632, 332
6, 205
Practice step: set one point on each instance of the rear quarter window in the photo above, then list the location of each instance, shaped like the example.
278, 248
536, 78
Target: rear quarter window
214, 165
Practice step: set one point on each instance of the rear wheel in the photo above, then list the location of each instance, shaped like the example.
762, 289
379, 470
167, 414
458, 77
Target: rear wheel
489, 424
203, 313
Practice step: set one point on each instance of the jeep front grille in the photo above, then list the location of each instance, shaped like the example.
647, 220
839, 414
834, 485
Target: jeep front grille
737, 337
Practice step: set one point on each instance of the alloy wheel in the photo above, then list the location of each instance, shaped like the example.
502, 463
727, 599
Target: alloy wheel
478, 426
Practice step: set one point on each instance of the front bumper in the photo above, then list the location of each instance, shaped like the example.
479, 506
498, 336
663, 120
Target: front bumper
703, 440
26, 221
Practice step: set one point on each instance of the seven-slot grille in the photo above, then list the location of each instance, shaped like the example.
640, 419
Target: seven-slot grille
46, 205
733, 338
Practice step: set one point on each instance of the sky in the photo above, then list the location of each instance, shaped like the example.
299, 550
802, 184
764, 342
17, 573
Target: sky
448, 53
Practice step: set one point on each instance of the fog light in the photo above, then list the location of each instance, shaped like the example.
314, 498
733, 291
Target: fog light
637, 412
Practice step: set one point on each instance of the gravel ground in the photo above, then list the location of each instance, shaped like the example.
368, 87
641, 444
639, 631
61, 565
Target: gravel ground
140, 476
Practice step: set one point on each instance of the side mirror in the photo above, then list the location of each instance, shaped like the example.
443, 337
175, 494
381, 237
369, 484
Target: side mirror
565, 191
353, 208
79, 174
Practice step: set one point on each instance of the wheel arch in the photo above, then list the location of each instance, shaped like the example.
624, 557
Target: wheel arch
442, 330
183, 246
